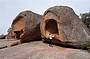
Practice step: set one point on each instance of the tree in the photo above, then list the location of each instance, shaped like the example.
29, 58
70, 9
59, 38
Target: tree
86, 19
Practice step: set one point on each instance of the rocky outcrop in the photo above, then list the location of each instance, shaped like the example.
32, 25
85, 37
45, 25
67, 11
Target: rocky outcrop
39, 50
26, 27
32, 35
65, 24
60, 21
2, 36
8, 43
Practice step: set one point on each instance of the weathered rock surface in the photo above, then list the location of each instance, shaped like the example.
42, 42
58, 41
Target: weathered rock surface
62, 21
87, 31
26, 27
4, 43
39, 50
2, 36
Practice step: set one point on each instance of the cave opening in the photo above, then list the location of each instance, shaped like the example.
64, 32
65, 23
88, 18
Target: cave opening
51, 26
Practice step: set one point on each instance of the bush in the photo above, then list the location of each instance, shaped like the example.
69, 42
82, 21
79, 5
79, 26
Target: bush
86, 46
86, 19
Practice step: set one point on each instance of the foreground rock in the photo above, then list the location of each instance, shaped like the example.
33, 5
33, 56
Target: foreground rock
39, 50
2, 36
4, 43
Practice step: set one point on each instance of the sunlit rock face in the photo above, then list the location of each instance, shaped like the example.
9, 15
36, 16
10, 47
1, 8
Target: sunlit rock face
26, 26
65, 24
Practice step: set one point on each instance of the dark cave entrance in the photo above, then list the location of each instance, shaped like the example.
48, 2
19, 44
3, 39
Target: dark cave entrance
51, 26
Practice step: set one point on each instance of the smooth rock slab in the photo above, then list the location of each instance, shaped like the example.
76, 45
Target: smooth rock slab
4, 43
39, 50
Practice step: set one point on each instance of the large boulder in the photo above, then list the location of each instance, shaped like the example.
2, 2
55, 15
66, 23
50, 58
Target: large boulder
65, 24
39, 50
26, 27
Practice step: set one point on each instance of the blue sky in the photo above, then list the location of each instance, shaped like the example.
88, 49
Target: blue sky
9, 9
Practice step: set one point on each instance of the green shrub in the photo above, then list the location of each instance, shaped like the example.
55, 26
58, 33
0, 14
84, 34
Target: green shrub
86, 46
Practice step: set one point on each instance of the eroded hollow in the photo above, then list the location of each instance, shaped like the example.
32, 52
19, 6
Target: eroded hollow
51, 26
18, 33
18, 27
